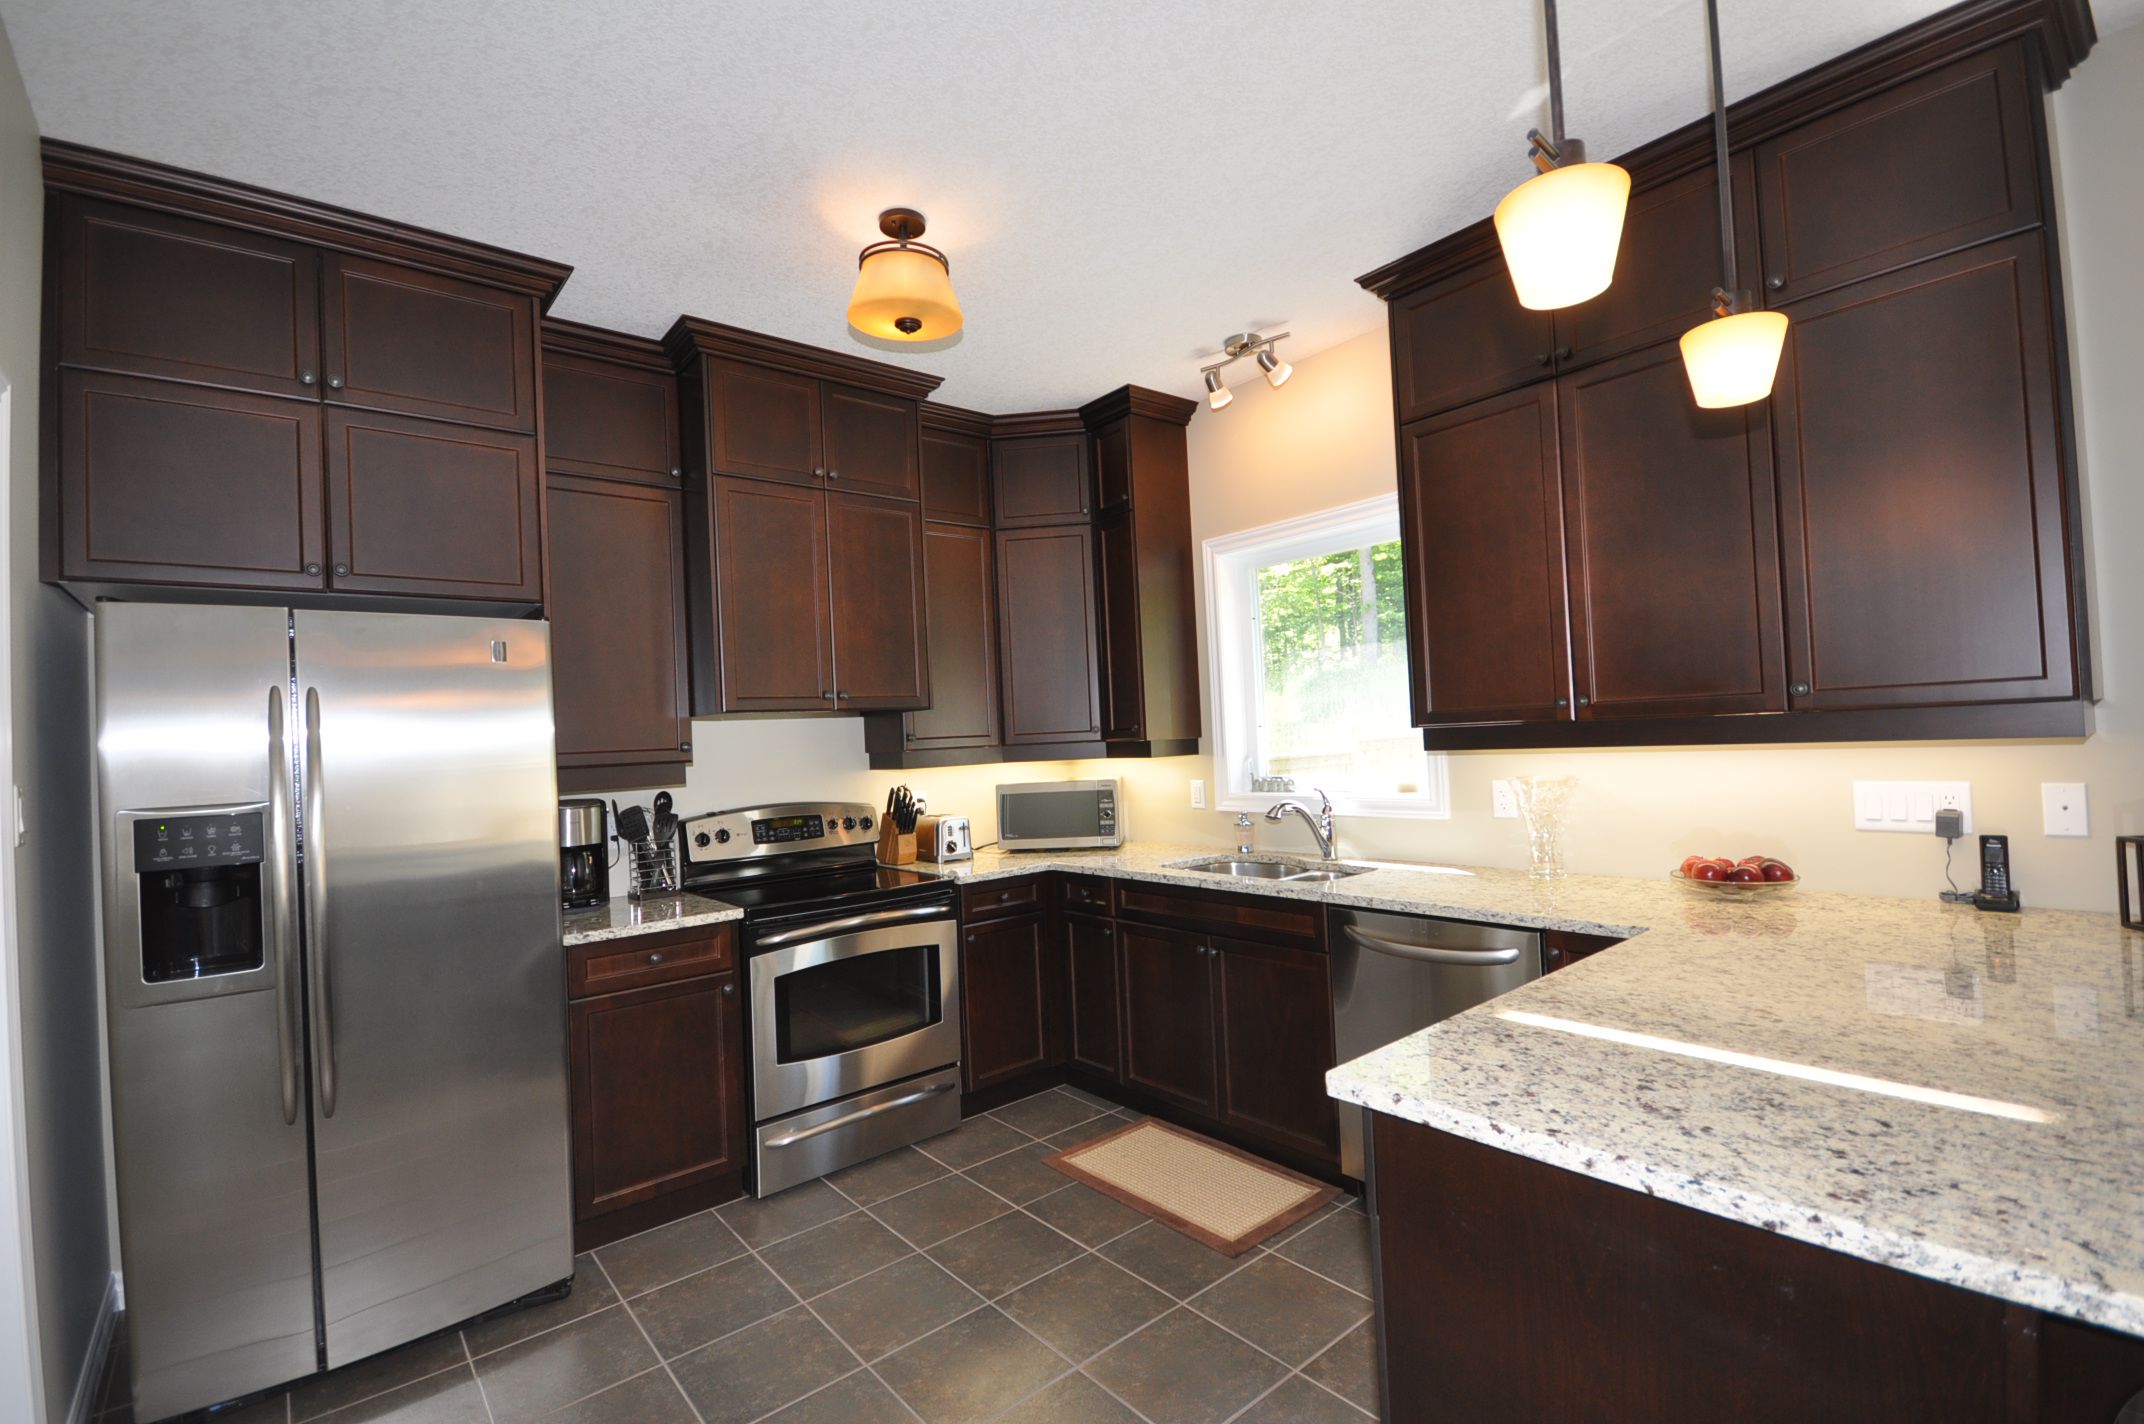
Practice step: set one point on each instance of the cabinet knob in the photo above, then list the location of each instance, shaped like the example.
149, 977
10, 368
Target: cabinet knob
1563, 353
1563, 702
313, 569
1799, 689
818, 472
729, 991
1584, 701
1774, 282
830, 695
841, 697
341, 570
306, 378
832, 473
655, 956
676, 473
1542, 358
334, 383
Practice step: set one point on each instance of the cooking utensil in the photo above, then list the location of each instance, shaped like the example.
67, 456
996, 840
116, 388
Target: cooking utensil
632, 823
665, 823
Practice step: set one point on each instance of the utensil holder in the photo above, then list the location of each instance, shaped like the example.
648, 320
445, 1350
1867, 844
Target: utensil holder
895, 847
654, 869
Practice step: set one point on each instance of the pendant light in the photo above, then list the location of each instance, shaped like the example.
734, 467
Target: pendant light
904, 288
1732, 358
1560, 228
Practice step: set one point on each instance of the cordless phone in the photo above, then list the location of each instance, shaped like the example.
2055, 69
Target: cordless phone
1995, 890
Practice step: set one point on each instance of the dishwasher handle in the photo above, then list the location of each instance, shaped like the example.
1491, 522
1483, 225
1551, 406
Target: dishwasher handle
1432, 954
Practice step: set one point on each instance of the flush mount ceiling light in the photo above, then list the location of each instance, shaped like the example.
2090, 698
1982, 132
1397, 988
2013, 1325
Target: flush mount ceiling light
1560, 228
1236, 348
904, 288
1732, 358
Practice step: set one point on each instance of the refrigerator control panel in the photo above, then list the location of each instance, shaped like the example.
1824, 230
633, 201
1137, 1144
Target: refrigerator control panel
176, 842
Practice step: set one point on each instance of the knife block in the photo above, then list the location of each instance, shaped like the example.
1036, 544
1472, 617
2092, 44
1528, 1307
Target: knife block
894, 848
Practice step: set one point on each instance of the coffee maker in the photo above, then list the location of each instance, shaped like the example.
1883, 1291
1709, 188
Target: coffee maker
583, 852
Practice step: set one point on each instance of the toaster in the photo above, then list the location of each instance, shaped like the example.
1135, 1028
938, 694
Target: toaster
943, 838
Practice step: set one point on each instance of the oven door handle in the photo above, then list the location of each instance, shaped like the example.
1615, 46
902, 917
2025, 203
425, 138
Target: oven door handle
791, 1139
871, 919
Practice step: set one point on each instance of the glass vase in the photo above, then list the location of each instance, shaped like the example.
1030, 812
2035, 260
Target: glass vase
1544, 803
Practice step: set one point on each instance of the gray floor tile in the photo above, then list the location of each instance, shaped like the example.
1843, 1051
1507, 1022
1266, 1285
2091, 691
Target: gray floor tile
1282, 1308
1046, 1113
971, 1370
1019, 1176
1337, 1248
1298, 1401
1290, 1232
1004, 1254
855, 1399
651, 1398
449, 1397
888, 1174
591, 1293
376, 1375
1349, 1368
976, 1140
1093, 1100
1086, 1215
764, 1220
537, 1376
885, 1310
689, 1313
1075, 1399
1087, 1306
1185, 1370
756, 1371
1085, 1133
833, 1254
1169, 1259
931, 1213
276, 1409
658, 1257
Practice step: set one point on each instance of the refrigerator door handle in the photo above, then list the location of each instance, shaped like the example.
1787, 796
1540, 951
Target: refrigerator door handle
282, 930
316, 906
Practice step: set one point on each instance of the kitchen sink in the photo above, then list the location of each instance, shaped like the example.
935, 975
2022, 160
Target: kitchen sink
1248, 869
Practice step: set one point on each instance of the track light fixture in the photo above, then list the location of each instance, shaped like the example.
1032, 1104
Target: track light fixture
1246, 344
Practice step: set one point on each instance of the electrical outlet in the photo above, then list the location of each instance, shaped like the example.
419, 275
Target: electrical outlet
1198, 795
2063, 809
1910, 805
1504, 800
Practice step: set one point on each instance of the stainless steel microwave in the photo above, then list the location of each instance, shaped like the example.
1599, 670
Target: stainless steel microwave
1058, 815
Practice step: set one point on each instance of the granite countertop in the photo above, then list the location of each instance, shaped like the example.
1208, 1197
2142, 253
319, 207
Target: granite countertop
622, 918
1955, 1094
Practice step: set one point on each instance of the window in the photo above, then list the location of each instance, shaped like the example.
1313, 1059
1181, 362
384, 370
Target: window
1308, 630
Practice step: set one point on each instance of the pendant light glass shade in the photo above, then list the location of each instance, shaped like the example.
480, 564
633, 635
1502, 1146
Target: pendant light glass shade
1731, 360
904, 289
1560, 231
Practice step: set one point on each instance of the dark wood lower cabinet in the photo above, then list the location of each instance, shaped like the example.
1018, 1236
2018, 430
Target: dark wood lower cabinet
421, 507
1096, 1032
1006, 988
1168, 1015
1274, 1010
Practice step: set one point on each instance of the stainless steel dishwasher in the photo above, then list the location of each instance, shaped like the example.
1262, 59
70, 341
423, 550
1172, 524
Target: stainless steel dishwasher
1394, 974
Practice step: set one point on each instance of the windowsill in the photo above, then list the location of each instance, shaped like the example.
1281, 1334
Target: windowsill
1376, 810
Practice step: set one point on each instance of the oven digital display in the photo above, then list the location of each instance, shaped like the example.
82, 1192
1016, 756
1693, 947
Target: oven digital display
779, 829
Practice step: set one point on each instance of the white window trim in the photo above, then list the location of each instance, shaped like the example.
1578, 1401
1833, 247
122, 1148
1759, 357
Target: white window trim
1230, 558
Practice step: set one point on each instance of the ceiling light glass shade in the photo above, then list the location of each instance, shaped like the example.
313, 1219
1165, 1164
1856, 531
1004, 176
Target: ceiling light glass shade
1277, 371
904, 294
1560, 231
1732, 359
1217, 395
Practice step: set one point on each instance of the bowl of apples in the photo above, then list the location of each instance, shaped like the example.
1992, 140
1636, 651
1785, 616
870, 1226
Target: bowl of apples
1751, 875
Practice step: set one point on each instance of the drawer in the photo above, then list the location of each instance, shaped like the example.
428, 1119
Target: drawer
1089, 893
996, 899
613, 964
1252, 916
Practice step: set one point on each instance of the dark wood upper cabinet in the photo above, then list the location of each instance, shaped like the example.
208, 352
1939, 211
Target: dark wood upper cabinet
764, 423
1046, 635
870, 441
956, 469
1463, 338
771, 645
1096, 1038
420, 507
1672, 540
1274, 1008
1113, 465
607, 418
1480, 514
1040, 479
167, 483
399, 339
962, 637
1004, 986
158, 294
1927, 167
875, 552
1116, 548
1928, 537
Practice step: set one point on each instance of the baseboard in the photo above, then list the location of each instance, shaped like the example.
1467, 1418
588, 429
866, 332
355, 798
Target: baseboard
90, 1379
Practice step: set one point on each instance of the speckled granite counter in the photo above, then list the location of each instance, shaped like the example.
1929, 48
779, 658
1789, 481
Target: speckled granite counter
1955, 1094
622, 918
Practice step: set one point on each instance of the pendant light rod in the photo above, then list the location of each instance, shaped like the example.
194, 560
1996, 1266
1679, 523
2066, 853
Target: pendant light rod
1555, 74
1729, 292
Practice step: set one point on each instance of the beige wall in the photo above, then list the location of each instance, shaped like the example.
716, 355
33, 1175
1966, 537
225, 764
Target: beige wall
1326, 439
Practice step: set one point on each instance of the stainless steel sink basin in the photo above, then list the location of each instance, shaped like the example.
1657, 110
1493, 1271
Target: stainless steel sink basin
1248, 869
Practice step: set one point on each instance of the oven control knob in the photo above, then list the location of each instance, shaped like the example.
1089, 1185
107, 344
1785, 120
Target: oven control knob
722, 837
848, 823
701, 839
865, 823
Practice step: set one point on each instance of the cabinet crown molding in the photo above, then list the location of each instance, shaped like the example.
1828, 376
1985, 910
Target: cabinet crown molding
117, 177
936, 416
1037, 422
1137, 400
692, 336
573, 338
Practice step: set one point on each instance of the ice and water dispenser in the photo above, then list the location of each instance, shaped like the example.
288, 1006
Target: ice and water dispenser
199, 879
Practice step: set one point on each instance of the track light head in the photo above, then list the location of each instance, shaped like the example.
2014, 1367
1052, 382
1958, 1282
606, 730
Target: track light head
1277, 371
1217, 395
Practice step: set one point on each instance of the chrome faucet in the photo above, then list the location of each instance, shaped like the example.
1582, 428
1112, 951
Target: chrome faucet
1320, 822
1243, 833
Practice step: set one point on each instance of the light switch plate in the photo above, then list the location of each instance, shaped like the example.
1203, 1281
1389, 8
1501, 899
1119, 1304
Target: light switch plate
1198, 795
1504, 800
2064, 810
1910, 805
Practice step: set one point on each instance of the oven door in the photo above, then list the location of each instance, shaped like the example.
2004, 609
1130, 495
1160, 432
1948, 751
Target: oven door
851, 1003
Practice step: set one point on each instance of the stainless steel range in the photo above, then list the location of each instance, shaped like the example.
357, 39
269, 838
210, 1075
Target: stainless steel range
853, 1032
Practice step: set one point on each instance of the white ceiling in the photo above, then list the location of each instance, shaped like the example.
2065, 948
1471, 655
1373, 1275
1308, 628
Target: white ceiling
1119, 185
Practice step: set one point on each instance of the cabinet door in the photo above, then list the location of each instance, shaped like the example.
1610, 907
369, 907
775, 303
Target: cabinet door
775, 651
1121, 664
956, 477
170, 483
1096, 1040
1463, 338
1047, 635
1673, 543
963, 641
1004, 984
403, 340
610, 420
1113, 465
1922, 489
1480, 517
161, 295
1168, 1015
421, 507
875, 549
616, 605
870, 441
658, 1091
1040, 479
1921, 169
1275, 1009
765, 423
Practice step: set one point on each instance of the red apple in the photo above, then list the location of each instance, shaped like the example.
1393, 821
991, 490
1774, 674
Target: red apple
1690, 863
1707, 870
1778, 870
1752, 860
1745, 875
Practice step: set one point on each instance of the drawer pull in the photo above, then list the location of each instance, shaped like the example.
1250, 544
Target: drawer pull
655, 956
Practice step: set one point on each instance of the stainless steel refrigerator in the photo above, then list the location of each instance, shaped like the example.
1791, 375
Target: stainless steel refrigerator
333, 979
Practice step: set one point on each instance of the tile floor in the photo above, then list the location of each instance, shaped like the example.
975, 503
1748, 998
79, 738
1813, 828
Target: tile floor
959, 1280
